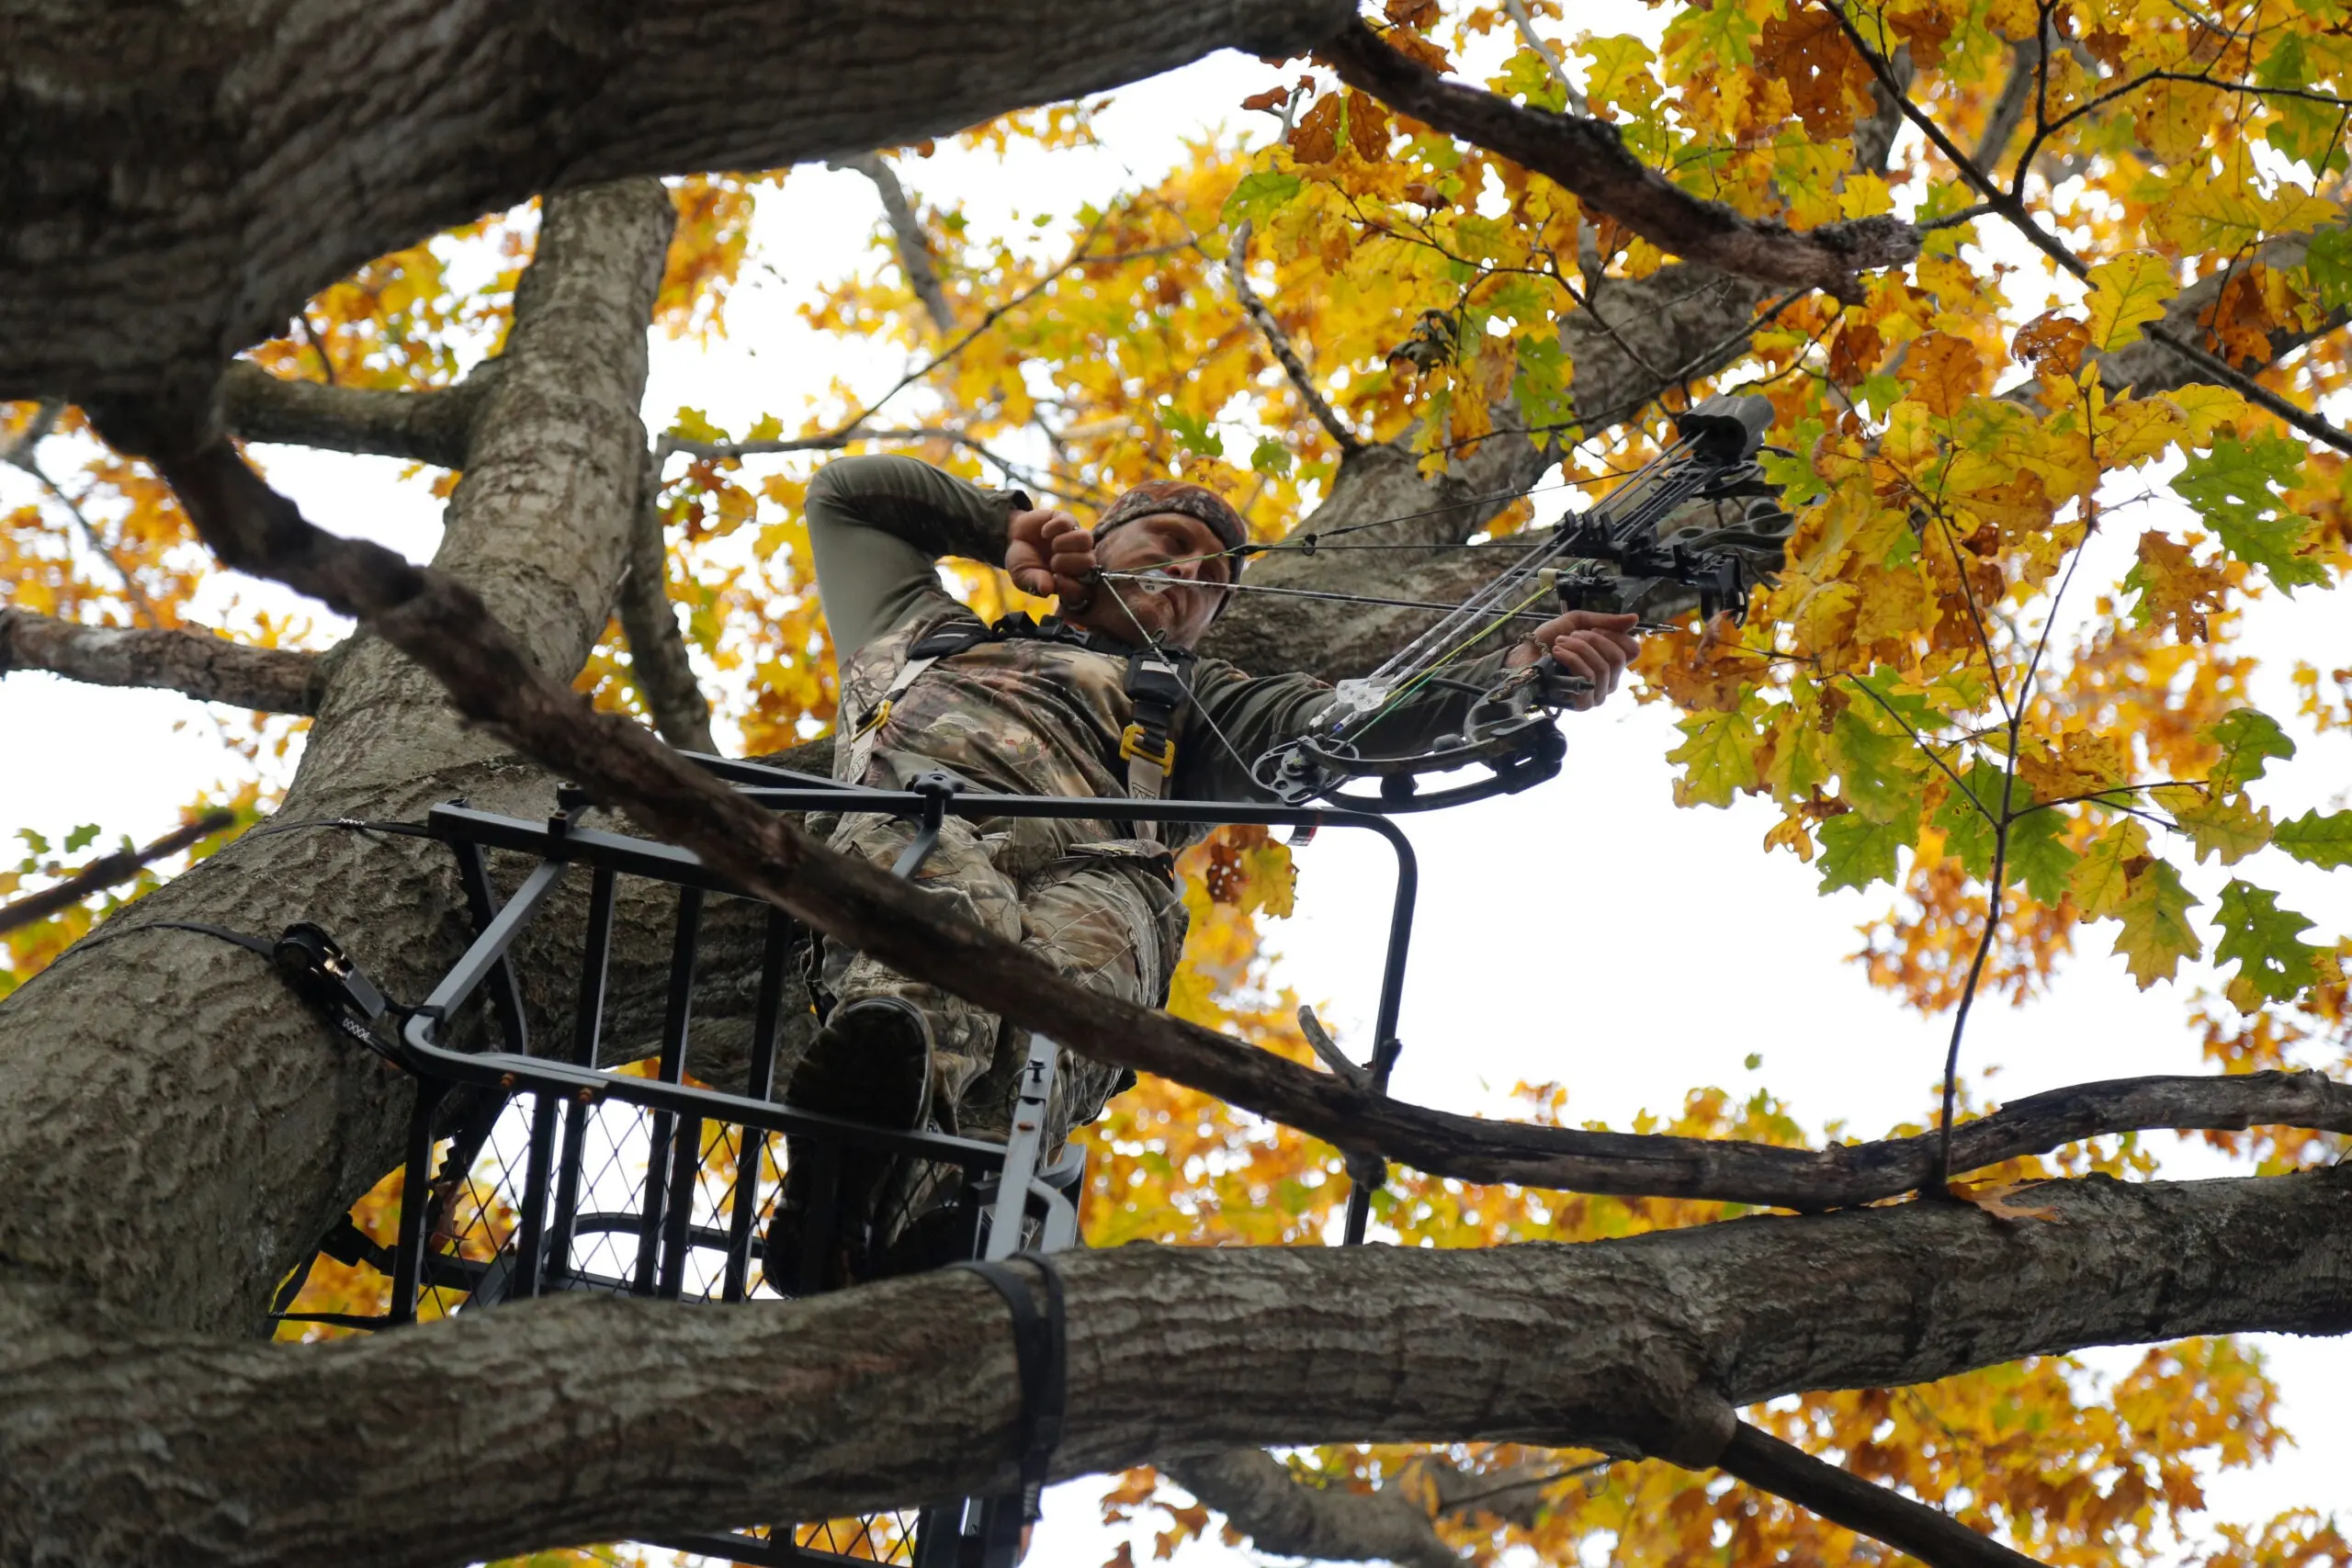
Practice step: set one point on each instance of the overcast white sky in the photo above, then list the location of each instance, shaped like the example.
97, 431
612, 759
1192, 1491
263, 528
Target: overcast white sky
1587, 931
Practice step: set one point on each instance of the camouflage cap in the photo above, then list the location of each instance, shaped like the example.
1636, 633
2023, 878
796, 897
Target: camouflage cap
1196, 502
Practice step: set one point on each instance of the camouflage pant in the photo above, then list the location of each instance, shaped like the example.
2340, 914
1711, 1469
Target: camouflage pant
1103, 914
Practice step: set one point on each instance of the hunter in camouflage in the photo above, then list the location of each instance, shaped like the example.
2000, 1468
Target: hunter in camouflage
1047, 713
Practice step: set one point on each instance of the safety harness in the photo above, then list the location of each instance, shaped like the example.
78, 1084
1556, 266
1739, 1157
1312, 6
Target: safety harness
1158, 687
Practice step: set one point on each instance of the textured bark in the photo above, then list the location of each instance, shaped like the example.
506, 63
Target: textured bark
182, 1129
1254, 1491
657, 649
582, 1420
427, 427
212, 668
907, 238
176, 187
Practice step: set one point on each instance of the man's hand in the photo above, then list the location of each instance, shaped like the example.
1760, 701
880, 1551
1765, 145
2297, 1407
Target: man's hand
1052, 555
1586, 643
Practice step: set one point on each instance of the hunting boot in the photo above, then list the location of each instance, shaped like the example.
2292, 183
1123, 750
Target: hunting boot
871, 1063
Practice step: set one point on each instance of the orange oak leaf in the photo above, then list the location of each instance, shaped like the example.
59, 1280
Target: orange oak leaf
2051, 345
1942, 371
1994, 1198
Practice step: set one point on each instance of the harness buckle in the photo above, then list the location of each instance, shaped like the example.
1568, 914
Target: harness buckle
1134, 747
875, 720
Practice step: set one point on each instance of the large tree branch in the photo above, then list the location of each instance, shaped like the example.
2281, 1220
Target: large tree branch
280, 146
1588, 157
210, 669
426, 427
207, 1453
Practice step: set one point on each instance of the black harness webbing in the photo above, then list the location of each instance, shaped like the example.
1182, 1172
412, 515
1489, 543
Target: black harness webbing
1041, 1350
1158, 685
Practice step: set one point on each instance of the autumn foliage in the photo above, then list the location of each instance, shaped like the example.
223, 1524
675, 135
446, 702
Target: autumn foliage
2004, 677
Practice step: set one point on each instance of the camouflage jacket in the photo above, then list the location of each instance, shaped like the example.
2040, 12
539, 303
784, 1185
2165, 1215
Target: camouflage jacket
1026, 716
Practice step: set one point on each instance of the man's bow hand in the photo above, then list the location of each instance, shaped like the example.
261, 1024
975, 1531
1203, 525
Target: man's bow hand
1584, 643
1052, 555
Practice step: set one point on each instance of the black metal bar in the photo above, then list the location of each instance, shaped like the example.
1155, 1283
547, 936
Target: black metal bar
530, 1236
752, 1146
505, 995
587, 1026
486, 959
416, 1202
672, 1067
686, 1160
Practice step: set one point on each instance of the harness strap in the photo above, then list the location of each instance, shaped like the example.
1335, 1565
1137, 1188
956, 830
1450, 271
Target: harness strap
1041, 1351
1158, 690
1155, 686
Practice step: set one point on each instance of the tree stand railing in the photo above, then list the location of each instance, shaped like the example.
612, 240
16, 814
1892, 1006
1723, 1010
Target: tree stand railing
554, 1174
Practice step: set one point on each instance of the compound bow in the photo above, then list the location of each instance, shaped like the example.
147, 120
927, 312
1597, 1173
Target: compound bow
1618, 557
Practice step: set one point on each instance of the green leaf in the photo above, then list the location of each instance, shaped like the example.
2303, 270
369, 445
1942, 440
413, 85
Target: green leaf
80, 836
1718, 759
2157, 934
1192, 432
2317, 841
1269, 456
2040, 856
2103, 876
2329, 262
1259, 195
1968, 832
2265, 941
1856, 852
1879, 775
1541, 387
1525, 75
2235, 489
2248, 739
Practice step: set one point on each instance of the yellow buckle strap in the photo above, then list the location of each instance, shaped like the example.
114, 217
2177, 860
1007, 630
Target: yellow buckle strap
1132, 747
875, 720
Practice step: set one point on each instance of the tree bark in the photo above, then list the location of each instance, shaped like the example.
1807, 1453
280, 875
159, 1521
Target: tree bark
174, 192
426, 427
210, 669
576, 1420
149, 1062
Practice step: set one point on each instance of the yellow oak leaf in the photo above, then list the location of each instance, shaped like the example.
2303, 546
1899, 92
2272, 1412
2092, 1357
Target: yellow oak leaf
2207, 409
2157, 934
2126, 294
2101, 877
2223, 825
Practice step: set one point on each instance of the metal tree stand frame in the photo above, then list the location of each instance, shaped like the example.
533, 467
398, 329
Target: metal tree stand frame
563, 1176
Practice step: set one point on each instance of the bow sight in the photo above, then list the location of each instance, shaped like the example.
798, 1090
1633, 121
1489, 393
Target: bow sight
1642, 549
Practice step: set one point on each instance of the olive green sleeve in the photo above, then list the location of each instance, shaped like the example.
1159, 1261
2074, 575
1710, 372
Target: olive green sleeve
1236, 718
876, 528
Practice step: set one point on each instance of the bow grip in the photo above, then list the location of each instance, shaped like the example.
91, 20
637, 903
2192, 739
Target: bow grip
1727, 429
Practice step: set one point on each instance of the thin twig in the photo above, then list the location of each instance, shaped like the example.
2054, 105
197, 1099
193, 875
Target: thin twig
108, 869
1237, 271
1577, 102
2251, 390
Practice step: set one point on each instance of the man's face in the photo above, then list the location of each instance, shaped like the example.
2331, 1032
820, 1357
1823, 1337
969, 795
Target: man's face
1189, 571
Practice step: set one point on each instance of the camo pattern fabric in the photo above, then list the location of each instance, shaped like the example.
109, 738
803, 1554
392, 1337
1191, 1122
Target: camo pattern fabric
1106, 916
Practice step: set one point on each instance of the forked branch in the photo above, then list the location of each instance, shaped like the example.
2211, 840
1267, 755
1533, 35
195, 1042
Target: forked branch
1589, 158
